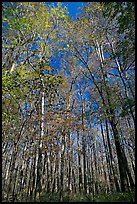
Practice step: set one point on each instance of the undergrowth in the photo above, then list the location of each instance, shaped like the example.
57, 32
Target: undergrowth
81, 197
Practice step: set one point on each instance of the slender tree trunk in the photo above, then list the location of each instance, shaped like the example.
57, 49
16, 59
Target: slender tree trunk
121, 159
84, 151
62, 166
79, 162
96, 170
109, 167
11, 176
111, 158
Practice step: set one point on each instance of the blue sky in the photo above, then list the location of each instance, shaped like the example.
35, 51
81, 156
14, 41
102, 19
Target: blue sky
73, 11
72, 7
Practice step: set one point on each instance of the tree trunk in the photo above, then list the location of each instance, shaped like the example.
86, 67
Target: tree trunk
120, 156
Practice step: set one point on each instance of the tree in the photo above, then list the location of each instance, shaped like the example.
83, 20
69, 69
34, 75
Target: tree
97, 40
67, 131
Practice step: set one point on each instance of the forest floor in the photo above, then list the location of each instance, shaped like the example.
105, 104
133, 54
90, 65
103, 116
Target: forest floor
110, 197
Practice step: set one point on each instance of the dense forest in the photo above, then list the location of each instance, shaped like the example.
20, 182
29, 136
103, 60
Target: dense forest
68, 102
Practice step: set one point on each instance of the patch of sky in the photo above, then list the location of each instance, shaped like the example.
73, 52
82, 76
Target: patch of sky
24, 109
55, 63
107, 54
37, 39
73, 8
34, 46
94, 106
7, 3
19, 60
87, 96
5, 27
131, 73
78, 96
36, 57
76, 86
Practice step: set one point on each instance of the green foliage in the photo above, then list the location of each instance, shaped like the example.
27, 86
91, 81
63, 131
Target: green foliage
127, 106
55, 197
124, 14
50, 198
82, 197
116, 197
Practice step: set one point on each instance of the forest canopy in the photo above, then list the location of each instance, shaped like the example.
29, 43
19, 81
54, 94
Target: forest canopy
68, 102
